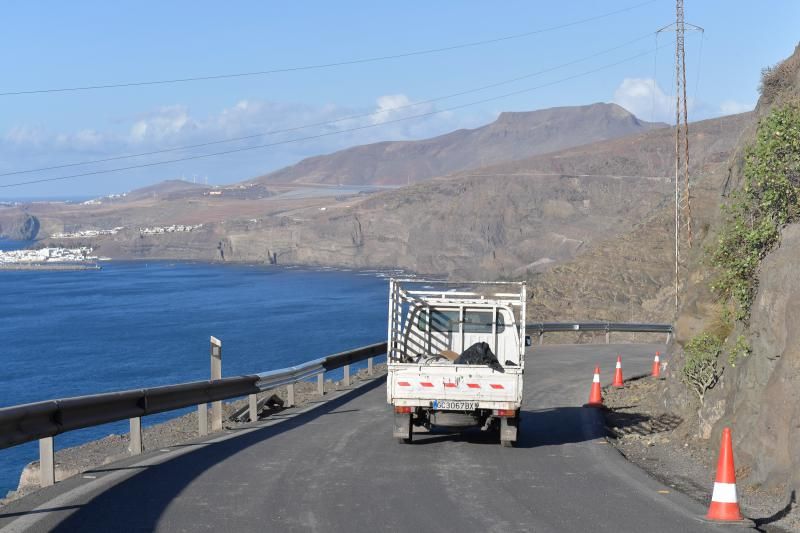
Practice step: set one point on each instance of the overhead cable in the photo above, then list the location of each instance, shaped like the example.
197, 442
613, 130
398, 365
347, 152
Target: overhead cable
330, 122
322, 65
331, 133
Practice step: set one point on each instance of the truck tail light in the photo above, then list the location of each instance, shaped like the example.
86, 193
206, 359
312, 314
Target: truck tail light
505, 412
402, 409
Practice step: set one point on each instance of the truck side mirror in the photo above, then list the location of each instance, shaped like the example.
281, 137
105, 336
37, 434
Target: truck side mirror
528, 341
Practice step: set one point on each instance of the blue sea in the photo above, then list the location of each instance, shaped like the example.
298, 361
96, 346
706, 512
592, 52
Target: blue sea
131, 325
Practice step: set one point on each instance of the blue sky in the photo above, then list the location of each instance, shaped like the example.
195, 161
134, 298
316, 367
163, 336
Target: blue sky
60, 44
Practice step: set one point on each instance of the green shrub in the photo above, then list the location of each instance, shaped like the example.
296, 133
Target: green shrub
768, 200
700, 370
740, 349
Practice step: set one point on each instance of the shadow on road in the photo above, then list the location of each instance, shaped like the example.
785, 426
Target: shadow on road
543, 427
139, 501
560, 425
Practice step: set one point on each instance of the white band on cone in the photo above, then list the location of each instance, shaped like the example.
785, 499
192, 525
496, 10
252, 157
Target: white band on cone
724, 493
596, 378
656, 359
619, 365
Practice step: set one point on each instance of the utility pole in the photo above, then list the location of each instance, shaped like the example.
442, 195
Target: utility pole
683, 208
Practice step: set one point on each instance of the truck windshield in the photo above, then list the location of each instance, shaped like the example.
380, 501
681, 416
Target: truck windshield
441, 321
481, 322
446, 321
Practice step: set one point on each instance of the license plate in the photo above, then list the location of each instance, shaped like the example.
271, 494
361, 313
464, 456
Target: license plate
454, 405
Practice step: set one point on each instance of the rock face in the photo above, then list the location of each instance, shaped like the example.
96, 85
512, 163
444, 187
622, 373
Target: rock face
512, 136
23, 227
758, 397
764, 400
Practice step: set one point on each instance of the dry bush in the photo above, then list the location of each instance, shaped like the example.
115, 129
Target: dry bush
779, 78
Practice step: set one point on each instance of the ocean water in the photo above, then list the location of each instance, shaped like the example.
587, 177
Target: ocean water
134, 325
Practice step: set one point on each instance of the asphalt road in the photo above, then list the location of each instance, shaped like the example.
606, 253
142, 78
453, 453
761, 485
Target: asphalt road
336, 467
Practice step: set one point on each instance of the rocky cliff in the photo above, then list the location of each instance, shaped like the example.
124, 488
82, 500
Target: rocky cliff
19, 226
759, 388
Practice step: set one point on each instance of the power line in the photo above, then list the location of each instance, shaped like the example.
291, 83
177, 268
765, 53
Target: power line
330, 122
330, 133
326, 65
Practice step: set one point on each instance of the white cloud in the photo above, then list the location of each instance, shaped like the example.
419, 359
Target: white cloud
647, 100
391, 107
732, 107
644, 98
27, 146
161, 124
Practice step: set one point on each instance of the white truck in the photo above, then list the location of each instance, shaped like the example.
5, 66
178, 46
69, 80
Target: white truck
440, 374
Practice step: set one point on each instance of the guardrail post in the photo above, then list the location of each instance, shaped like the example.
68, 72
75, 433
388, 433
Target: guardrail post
669, 337
541, 338
608, 337
290, 395
216, 373
47, 463
202, 418
369, 366
135, 444
346, 375
253, 399
321, 384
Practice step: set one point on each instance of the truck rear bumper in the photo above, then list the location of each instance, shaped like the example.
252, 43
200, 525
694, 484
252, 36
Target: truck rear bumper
428, 403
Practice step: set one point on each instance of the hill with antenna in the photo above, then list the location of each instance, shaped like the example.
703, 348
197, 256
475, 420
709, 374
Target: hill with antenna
512, 136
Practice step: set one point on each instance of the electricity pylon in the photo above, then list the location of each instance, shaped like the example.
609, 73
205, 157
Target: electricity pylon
683, 207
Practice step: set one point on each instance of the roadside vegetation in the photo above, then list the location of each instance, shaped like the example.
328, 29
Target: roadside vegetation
768, 200
701, 370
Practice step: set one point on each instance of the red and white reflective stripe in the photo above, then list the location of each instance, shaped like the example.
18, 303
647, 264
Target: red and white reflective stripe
596, 378
452, 385
724, 493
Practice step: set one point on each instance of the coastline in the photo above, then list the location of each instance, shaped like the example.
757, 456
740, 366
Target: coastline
42, 266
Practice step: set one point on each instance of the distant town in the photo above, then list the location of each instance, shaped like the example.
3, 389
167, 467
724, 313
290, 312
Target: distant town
87, 233
47, 256
175, 228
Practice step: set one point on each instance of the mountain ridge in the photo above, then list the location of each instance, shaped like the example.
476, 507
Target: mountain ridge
513, 135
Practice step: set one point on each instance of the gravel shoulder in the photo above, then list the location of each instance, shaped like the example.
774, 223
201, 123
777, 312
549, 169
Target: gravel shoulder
95, 454
660, 443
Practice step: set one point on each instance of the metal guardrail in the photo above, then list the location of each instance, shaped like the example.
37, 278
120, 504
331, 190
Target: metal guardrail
606, 327
542, 327
44, 420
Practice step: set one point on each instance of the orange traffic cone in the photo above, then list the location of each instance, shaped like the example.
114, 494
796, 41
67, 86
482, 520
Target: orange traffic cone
724, 503
656, 365
618, 374
595, 396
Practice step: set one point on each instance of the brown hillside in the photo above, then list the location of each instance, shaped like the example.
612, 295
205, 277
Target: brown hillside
512, 136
